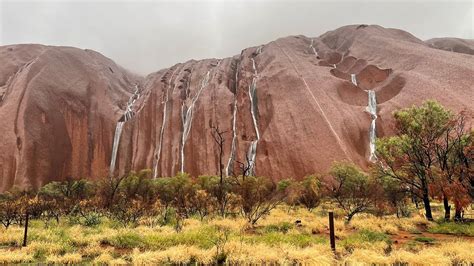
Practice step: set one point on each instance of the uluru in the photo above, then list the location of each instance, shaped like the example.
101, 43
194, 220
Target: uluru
286, 109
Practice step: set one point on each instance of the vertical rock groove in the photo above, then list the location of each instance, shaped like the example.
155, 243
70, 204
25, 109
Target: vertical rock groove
157, 155
187, 116
230, 163
128, 114
252, 152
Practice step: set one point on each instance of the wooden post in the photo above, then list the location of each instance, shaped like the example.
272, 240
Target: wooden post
25, 236
331, 231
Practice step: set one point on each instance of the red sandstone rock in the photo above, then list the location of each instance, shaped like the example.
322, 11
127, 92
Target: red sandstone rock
453, 45
61, 105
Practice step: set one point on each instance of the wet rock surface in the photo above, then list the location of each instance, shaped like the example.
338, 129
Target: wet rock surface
289, 108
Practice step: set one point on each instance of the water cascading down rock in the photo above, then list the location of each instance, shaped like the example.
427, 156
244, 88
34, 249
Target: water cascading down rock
372, 110
230, 163
157, 155
187, 117
312, 48
129, 114
252, 152
354, 79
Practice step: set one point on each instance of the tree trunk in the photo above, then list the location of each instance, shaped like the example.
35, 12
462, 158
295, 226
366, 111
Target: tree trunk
447, 208
25, 236
458, 215
426, 203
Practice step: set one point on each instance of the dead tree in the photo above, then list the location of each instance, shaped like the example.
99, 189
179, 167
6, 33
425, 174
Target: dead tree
221, 195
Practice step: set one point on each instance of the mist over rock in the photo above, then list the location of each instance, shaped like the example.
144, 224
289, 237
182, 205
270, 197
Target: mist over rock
289, 108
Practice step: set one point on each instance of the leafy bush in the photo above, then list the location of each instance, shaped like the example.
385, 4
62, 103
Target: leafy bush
282, 227
353, 190
127, 239
92, 219
453, 228
425, 239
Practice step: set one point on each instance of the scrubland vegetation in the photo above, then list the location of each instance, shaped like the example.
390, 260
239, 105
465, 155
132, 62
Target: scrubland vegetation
396, 212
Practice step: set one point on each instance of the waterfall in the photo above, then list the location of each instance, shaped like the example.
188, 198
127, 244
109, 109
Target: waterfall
312, 47
162, 130
334, 65
252, 152
372, 110
128, 114
118, 133
234, 139
354, 79
187, 116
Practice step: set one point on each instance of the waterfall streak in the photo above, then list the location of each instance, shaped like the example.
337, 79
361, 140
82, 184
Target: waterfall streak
187, 117
234, 139
252, 152
230, 163
312, 47
372, 110
162, 130
118, 133
354, 79
129, 114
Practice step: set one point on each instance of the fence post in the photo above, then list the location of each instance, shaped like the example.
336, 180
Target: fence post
331, 231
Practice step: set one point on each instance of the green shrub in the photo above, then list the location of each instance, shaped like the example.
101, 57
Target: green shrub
425, 239
204, 238
283, 227
276, 238
452, 228
364, 236
126, 240
91, 219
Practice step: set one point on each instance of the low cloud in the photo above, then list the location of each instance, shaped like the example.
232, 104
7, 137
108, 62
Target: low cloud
146, 36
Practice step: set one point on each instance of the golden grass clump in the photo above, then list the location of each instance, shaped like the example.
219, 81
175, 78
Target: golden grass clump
11, 236
15, 256
104, 258
312, 255
243, 253
69, 258
180, 254
234, 224
460, 252
80, 236
94, 250
367, 256
376, 224
48, 248
424, 257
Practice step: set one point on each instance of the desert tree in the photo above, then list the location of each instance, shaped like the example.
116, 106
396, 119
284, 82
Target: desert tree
311, 192
9, 209
223, 188
414, 156
352, 190
258, 196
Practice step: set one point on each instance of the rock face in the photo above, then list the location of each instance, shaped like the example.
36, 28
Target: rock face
288, 108
453, 44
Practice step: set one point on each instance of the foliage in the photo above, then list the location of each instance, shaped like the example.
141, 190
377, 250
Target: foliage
428, 155
453, 228
352, 190
258, 196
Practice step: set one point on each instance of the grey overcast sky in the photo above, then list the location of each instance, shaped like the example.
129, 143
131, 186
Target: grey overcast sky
145, 36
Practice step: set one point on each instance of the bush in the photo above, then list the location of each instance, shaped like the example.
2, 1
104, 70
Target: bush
352, 189
92, 219
127, 239
466, 229
258, 196
424, 239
